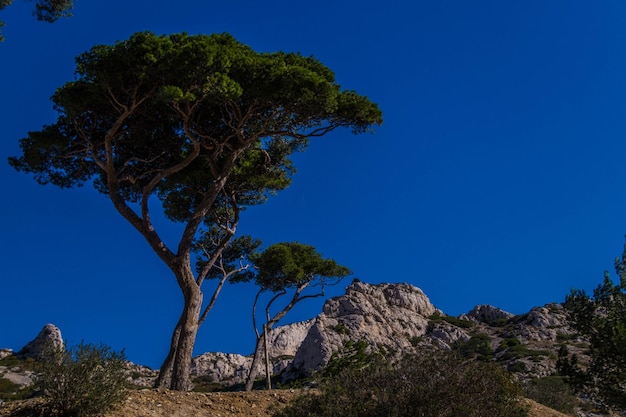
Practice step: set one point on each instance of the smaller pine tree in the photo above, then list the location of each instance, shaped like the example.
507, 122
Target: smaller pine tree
601, 319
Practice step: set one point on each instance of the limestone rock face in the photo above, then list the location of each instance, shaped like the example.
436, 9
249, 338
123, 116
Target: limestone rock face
49, 334
226, 368
231, 368
285, 340
390, 316
545, 323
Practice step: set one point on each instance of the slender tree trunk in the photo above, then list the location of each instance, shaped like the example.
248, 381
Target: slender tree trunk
256, 359
268, 372
165, 373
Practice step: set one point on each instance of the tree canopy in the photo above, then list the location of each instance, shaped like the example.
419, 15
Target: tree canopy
204, 124
291, 264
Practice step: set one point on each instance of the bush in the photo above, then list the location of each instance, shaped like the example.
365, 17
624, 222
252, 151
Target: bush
82, 381
438, 384
552, 392
478, 346
455, 321
520, 351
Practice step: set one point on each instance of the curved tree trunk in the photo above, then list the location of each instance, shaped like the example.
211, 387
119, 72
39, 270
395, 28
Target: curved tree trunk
175, 370
165, 372
254, 368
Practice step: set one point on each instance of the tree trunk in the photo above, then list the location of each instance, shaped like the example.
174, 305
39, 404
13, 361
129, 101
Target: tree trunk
176, 369
180, 380
258, 350
268, 372
165, 373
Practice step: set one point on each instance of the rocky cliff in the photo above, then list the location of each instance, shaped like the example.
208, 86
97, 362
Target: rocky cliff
399, 318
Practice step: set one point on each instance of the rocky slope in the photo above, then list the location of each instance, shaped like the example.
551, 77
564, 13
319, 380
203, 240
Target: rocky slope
399, 318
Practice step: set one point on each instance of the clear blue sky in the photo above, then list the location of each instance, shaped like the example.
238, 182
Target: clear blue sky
498, 176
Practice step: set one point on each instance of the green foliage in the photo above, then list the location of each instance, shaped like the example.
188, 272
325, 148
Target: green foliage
509, 342
354, 355
290, 264
7, 388
478, 347
83, 380
10, 390
520, 351
564, 337
180, 112
514, 349
52, 10
517, 367
14, 360
455, 321
440, 384
499, 322
601, 319
552, 392
340, 328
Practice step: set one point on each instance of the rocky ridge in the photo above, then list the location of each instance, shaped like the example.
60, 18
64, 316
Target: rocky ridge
388, 318
397, 319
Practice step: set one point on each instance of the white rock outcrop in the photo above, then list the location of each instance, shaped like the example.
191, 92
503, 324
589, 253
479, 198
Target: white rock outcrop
50, 334
231, 368
388, 316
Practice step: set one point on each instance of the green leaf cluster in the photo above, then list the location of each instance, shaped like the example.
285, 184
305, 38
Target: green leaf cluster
601, 319
289, 264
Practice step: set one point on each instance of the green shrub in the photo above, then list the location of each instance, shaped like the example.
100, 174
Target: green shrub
455, 321
517, 367
83, 380
552, 392
499, 322
522, 351
439, 384
7, 388
509, 342
11, 360
479, 347
340, 328
14, 362
354, 355
564, 337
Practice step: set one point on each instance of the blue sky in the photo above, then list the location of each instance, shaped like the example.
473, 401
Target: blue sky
498, 176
